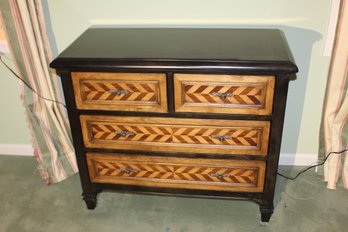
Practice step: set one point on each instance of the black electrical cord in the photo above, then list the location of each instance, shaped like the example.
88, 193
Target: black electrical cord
25, 83
280, 174
312, 166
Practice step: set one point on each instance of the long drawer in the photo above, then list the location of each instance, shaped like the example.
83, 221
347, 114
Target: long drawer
176, 135
151, 171
120, 91
231, 94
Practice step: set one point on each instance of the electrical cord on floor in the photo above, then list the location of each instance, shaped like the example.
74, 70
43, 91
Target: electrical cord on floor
25, 83
321, 162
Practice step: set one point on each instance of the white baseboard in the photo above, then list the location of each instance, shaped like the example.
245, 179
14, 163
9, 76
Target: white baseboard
297, 159
16, 149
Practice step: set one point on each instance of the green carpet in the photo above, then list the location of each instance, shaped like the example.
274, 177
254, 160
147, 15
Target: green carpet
29, 205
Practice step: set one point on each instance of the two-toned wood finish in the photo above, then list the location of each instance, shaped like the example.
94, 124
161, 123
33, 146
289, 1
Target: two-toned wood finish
176, 135
233, 94
120, 91
169, 172
189, 112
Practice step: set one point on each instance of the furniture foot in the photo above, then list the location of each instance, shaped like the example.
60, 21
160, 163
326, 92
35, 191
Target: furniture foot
90, 199
266, 212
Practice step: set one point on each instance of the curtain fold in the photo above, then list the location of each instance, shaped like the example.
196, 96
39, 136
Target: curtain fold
47, 120
334, 127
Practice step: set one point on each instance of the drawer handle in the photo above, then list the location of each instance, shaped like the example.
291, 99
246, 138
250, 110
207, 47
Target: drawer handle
124, 133
129, 170
221, 137
220, 176
119, 92
222, 95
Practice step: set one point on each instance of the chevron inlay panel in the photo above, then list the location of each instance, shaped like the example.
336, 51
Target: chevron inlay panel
224, 94
129, 133
198, 135
119, 91
116, 91
217, 136
176, 172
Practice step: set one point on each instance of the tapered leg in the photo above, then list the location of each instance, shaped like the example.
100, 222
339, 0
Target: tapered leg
90, 199
266, 212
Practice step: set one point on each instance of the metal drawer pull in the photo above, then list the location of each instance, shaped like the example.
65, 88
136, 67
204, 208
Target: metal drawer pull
222, 95
119, 92
129, 170
221, 137
219, 175
124, 133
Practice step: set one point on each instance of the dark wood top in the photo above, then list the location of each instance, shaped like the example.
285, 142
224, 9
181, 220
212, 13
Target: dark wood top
231, 48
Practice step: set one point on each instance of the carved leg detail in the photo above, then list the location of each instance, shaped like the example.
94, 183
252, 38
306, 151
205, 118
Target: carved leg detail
90, 199
266, 212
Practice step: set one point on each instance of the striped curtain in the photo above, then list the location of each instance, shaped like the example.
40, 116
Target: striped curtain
334, 128
52, 144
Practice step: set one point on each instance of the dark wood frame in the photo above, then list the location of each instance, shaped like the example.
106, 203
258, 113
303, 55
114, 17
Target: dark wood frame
280, 69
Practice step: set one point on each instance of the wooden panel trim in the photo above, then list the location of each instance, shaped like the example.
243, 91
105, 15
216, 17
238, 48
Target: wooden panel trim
170, 172
157, 80
265, 84
170, 127
76, 131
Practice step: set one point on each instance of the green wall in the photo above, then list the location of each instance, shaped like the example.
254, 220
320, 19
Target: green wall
304, 23
13, 127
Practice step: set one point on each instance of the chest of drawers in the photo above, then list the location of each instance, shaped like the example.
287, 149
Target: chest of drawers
194, 112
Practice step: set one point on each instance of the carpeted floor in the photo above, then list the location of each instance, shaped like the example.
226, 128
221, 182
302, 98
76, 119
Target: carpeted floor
29, 205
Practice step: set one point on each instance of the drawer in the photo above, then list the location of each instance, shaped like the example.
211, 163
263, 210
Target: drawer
176, 135
120, 91
169, 172
229, 94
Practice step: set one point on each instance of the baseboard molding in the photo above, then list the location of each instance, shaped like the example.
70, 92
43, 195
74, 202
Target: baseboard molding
297, 159
16, 149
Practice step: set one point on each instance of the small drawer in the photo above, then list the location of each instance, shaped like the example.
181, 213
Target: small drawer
169, 172
120, 91
229, 94
176, 135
